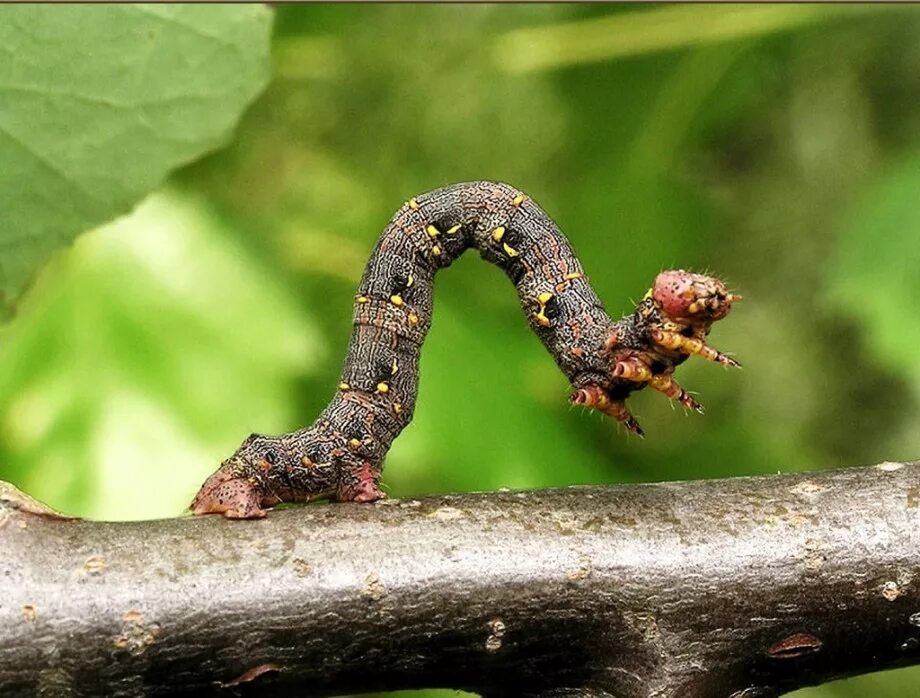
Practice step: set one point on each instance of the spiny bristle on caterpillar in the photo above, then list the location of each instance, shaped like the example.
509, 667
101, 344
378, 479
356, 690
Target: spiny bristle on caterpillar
341, 454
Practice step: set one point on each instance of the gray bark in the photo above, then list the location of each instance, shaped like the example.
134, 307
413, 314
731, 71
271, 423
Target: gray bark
739, 587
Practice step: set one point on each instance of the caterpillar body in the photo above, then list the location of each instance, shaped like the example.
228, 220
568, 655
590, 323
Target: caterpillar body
341, 454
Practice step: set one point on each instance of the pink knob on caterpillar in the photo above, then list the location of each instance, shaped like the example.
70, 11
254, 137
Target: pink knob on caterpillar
684, 295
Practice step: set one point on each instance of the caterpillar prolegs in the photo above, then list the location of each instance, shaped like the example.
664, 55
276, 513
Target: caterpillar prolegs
341, 454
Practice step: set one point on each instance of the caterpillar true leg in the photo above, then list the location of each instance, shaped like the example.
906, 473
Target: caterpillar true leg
672, 390
596, 397
341, 454
632, 368
691, 346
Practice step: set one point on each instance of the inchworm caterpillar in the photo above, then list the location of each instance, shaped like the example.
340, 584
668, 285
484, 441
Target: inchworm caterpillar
341, 454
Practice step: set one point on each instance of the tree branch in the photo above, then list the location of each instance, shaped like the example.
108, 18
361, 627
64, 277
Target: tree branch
743, 587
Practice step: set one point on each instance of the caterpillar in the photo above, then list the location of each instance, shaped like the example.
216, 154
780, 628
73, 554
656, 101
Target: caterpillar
341, 454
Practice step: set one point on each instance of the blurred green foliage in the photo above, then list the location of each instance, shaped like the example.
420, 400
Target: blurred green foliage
777, 146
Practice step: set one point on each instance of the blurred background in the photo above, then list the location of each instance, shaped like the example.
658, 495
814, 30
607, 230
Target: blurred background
775, 146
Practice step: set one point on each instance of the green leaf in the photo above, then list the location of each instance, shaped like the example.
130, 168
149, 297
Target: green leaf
99, 103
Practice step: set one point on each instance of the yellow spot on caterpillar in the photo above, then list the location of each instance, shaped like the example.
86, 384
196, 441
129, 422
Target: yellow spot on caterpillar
306, 462
436, 251
573, 275
413, 204
397, 408
498, 233
510, 251
396, 299
409, 281
383, 388
432, 231
519, 199
344, 386
413, 319
354, 443
453, 229
394, 368
540, 316
362, 299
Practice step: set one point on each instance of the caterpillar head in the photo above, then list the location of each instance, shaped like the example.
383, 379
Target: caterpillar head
692, 298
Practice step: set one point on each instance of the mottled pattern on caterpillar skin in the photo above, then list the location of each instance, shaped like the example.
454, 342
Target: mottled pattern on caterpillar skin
341, 454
